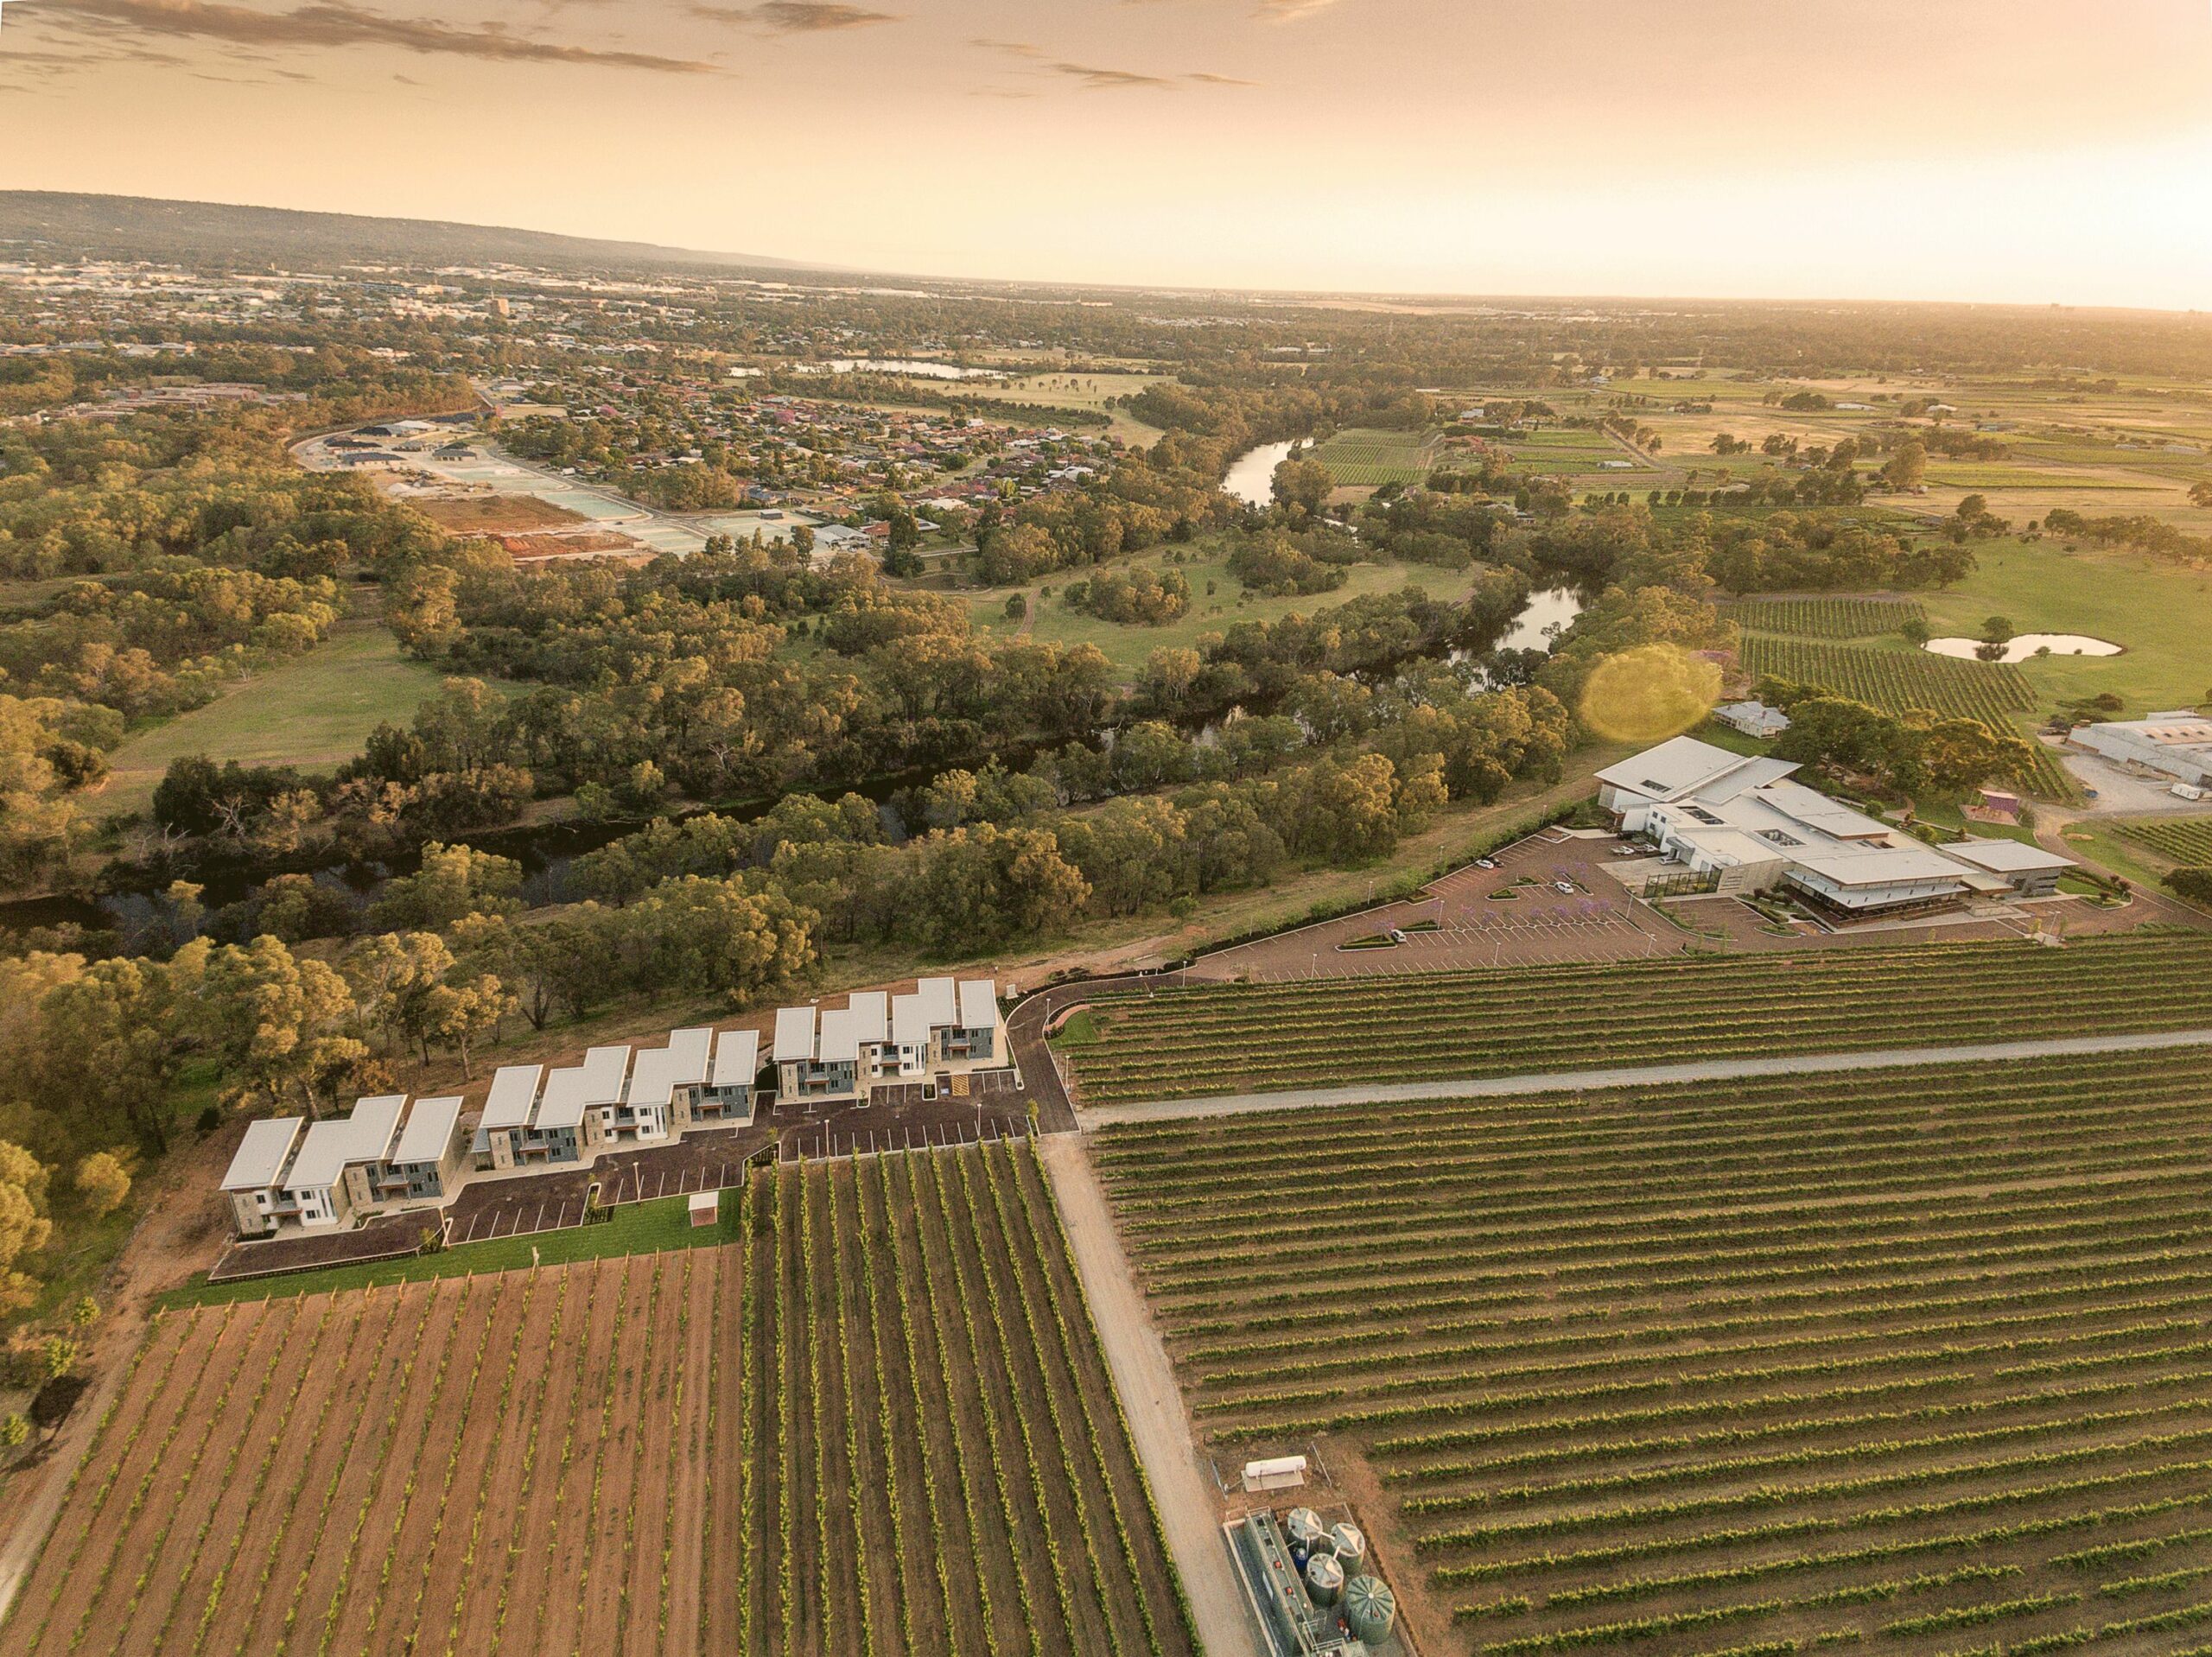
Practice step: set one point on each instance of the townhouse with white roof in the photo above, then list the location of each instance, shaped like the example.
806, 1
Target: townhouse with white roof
939, 1031
320, 1175
1732, 824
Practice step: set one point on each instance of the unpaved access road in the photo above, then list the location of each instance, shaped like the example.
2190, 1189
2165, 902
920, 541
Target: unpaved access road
1154, 1404
1647, 1075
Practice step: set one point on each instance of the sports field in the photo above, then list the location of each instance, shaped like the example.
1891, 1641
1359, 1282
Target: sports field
1429, 1026
1908, 1361
877, 1419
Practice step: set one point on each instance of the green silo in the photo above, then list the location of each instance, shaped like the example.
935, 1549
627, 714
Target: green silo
1371, 1609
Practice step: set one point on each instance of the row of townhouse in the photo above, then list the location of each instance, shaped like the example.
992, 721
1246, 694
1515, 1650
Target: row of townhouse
843, 1055
385, 1157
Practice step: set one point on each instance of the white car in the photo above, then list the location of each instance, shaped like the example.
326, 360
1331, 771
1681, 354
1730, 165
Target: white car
1567, 886
1485, 862
1398, 937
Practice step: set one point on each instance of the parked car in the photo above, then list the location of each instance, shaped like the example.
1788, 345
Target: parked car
1398, 937
1567, 886
1485, 862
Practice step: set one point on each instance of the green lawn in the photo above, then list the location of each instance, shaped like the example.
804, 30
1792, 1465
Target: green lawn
312, 711
636, 1228
1126, 646
2160, 612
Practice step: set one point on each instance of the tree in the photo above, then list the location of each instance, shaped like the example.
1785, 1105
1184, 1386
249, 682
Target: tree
460, 1015
1907, 467
1303, 485
2192, 883
103, 1182
2199, 494
452, 882
389, 976
278, 1023
25, 1227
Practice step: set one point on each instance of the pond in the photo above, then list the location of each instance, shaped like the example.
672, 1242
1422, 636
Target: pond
2022, 646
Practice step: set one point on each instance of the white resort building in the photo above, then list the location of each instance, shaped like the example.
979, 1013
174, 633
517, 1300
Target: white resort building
1732, 824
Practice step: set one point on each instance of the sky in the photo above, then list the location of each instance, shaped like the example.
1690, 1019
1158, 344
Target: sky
1997, 150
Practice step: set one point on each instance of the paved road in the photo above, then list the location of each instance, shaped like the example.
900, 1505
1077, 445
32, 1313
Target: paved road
1718, 1070
1159, 1424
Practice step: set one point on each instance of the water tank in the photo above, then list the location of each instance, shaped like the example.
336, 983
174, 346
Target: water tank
1349, 1543
1304, 1530
1371, 1609
1325, 1579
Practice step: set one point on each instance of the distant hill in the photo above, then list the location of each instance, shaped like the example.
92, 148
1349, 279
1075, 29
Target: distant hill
59, 224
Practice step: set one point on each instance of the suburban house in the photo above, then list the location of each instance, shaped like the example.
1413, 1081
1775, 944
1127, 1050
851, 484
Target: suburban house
939, 1031
581, 1103
252, 1180
1728, 823
2177, 744
320, 1175
507, 1135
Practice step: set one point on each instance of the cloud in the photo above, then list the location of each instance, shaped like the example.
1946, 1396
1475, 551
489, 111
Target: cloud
1091, 78
797, 16
336, 23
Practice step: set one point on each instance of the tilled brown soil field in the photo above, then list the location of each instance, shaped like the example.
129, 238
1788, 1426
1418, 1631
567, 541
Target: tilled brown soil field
879, 1421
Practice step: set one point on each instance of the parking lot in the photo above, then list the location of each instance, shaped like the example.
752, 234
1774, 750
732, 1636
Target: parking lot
1545, 899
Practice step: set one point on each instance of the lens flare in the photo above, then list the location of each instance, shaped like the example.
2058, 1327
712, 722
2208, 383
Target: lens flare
1648, 693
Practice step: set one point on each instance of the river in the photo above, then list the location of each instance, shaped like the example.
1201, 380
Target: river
1252, 474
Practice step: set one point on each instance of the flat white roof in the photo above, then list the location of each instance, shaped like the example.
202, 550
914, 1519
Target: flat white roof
514, 1090
1677, 767
2007, 856
1875, 865
737, 1059
910, 1022
262, 1155
429, 1130
940, 1000
794, 1034
871, 1012
366, 1136
979, 1003
841, 1037
572, 1091
660, 1070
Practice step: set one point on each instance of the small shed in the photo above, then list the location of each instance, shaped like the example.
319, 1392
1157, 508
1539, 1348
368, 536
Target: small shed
706, 1208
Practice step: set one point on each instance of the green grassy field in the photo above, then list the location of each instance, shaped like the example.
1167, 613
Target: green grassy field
1126, 646
1060, 390
314, 712
2160, 612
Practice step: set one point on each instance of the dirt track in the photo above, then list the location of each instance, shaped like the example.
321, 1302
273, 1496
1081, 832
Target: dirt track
1188, 1511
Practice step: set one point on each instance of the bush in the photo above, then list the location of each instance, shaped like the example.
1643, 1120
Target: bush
2193, 883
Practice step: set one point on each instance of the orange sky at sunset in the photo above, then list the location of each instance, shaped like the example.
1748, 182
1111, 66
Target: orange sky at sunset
2001, 149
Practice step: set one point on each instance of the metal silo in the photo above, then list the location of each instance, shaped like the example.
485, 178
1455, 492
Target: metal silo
1349, 1543
1371, 1609
1325, 1580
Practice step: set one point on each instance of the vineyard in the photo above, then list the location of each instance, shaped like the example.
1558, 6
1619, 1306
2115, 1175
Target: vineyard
1443, 1026
1363, 458
1824, 617
878, 1422
2185, 840
1913, 1360
1896, 680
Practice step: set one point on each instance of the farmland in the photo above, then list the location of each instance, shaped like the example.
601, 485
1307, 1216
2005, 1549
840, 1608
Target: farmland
877, 1420
1898, 681
1430, 1026
1823, 617
2185, 840
1361, 458
1913, 1359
